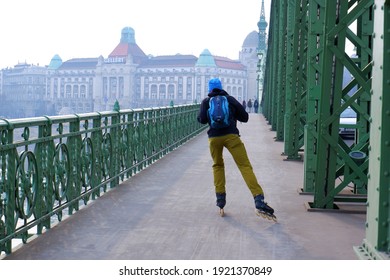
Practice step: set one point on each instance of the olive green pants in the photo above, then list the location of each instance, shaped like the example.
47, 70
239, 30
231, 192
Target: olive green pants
237, 149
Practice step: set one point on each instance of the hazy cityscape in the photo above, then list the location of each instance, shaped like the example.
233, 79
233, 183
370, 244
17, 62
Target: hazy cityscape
130, 76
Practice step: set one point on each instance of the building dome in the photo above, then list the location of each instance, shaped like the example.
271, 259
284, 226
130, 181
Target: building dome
128, 35
251, 40
206, 59
55, 62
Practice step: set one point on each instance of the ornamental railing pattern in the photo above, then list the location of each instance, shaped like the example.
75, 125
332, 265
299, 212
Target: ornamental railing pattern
53, 165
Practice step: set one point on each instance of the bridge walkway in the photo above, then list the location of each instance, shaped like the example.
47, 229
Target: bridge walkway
168, 212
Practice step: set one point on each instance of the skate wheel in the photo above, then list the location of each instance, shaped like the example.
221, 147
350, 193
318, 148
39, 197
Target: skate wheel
221, 212
263, 215
274, 218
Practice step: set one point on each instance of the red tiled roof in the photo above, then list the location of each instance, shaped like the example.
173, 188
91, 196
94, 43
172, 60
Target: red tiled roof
224, 62
170, 61
124, 49
79, 63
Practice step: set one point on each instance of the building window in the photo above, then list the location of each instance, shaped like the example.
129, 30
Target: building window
146, 90
105, 88
121, 87
162, 92
68, 91
82, 91
171, 92
153, 90
113, 87
90, 87
76, 91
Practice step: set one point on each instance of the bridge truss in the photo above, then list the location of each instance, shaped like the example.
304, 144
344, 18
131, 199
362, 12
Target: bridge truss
324, 57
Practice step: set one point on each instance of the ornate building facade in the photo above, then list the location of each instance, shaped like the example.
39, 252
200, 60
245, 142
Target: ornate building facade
127, 75
137, 80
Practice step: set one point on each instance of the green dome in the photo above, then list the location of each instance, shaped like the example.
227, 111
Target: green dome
206, 59
128, 35
55, 62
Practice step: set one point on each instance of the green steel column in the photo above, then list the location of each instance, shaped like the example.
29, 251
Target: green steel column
272, 55
376, 245
315, 53
265, 97
295, 115
266, 110
330, 98
281, 72
327, 157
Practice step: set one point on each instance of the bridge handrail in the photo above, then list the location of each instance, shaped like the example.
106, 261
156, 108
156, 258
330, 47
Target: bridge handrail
57, 163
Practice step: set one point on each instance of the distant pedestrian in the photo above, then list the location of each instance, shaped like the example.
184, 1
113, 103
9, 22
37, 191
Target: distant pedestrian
244, 104
249, 106
256, 106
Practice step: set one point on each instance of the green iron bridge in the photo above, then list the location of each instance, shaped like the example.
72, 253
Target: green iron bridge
309, 49
52, 164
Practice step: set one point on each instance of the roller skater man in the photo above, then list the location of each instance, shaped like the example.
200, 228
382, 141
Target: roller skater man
228, 137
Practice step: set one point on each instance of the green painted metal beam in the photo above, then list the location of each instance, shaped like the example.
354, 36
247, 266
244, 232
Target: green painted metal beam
272, 68
296, 72
281, 70
337, 41
315, 56
376, 245
329, 167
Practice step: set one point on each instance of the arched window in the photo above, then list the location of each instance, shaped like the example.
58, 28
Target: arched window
75, 91
162, 92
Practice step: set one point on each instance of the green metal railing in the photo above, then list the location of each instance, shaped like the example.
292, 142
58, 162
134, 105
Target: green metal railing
50, 165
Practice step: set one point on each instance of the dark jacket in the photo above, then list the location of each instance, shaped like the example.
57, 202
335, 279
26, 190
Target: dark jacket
237, 110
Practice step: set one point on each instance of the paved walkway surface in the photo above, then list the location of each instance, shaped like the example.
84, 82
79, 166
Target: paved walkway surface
168, 212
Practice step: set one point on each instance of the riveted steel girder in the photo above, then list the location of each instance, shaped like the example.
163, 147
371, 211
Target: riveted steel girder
270, 80
330, 168
330, 80
376, 245
275, 78
296, 72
